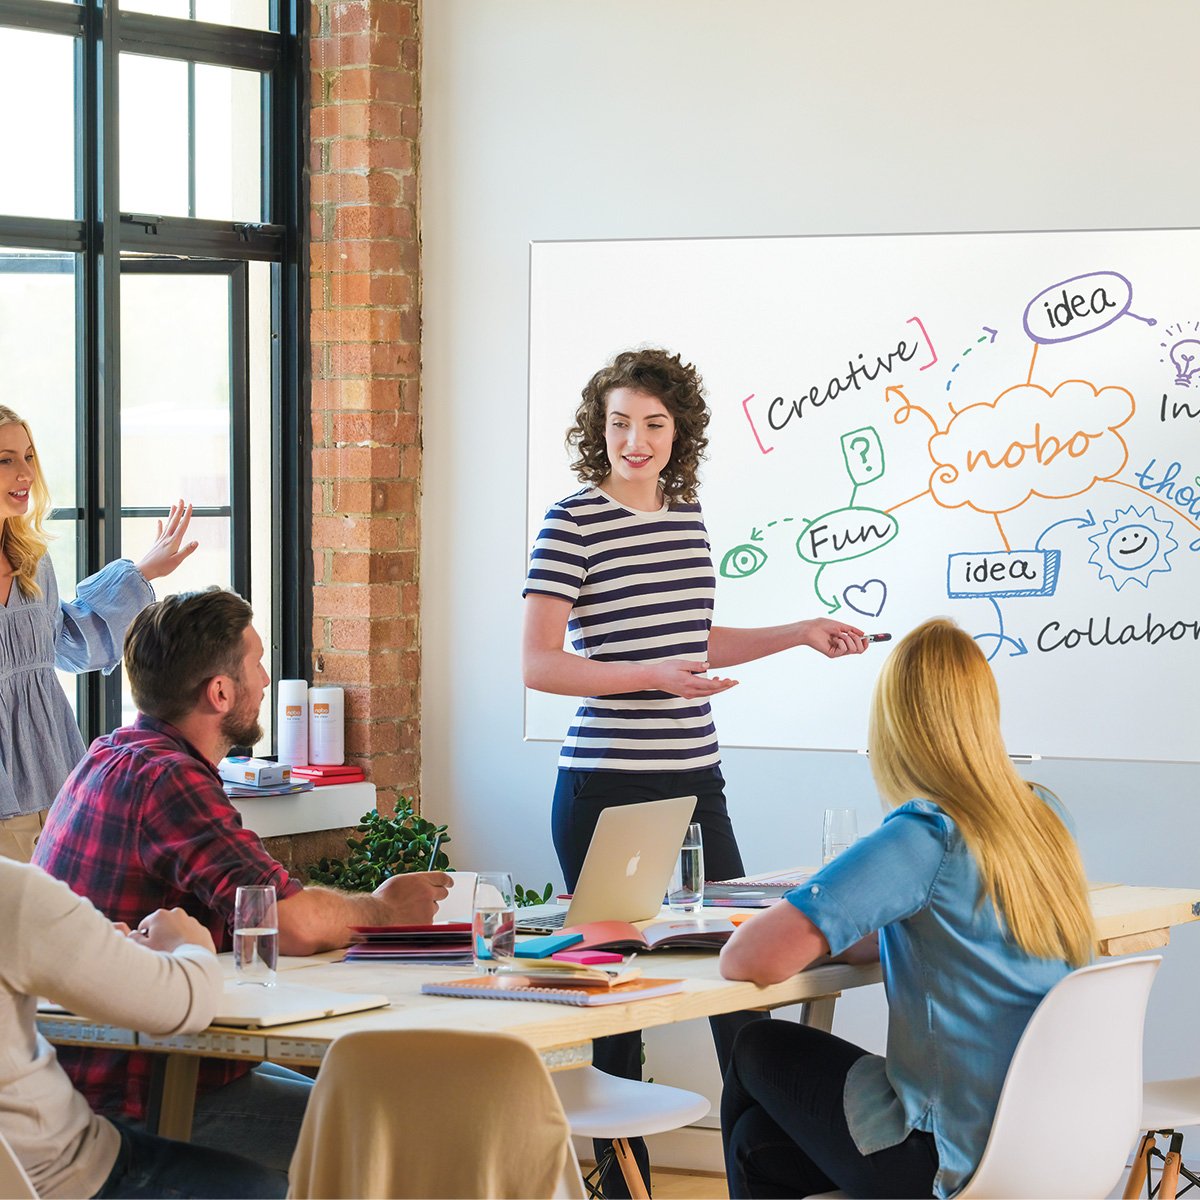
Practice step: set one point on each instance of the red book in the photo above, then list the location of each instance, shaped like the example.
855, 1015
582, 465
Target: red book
323, 776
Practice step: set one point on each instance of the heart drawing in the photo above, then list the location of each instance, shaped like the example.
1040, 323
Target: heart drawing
867, 598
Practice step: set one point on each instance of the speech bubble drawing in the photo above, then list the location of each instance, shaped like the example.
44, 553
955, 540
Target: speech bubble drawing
845, 533
1078, 306
863, 452
1030, 442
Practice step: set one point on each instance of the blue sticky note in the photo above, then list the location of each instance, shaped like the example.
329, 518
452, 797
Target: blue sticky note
543, 947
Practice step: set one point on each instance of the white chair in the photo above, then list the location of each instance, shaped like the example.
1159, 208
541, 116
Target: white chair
14, 1183
613, 1109
1168, 1105
1071, 1102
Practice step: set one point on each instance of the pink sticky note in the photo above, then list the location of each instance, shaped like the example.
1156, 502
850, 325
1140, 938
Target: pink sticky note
587, 958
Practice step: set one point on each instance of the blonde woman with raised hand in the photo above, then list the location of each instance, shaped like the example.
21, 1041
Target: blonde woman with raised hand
39, 740
971, 893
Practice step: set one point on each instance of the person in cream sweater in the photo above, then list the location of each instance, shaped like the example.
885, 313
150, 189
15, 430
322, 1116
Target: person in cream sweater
162, 978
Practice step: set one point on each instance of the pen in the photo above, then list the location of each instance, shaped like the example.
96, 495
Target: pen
437, 845
877, 637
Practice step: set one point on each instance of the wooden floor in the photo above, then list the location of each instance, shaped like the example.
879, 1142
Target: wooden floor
676, 1185
670, 1184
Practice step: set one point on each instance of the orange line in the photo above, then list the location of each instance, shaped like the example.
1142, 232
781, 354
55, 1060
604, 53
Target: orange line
996, 518
908, 501
1029, 377
1156, 499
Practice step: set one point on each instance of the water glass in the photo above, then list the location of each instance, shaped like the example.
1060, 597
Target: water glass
256, 935
839, 832
493, 919
686, 892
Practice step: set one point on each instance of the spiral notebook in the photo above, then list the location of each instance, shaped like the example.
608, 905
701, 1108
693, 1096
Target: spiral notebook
521, 987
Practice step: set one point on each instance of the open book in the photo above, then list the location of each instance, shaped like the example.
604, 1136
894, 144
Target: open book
688, 933
514, 986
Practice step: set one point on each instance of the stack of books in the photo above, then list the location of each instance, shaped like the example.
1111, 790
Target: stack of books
444, 945
324, 776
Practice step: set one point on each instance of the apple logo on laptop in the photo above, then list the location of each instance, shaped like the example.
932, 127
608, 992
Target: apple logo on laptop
632, 865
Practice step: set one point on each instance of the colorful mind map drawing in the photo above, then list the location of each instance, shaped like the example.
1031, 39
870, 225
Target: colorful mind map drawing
1043, 439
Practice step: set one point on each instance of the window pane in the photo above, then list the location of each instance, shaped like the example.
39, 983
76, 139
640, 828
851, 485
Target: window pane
157, 122
37, 358
261, 539
154, 135
228, 144
249, 14
38, 178
175, 391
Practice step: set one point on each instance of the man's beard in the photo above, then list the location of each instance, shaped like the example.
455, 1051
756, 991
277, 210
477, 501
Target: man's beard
241, 728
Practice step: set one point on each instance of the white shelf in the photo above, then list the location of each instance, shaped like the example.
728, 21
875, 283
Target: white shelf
334, 807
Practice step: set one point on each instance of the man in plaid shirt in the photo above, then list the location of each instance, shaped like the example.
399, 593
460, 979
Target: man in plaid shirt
143, 823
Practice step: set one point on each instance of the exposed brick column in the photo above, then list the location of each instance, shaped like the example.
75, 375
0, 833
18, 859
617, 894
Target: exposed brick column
365, 62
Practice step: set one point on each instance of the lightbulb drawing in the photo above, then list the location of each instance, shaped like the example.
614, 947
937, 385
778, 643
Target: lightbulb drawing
1185, 358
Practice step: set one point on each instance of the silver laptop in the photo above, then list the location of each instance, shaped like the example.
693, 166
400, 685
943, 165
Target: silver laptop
627, 868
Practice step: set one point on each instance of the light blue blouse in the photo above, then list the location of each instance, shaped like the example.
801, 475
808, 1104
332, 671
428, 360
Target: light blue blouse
40, 742
960, 991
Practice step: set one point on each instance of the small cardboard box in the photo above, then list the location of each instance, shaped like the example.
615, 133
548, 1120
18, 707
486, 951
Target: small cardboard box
254, 772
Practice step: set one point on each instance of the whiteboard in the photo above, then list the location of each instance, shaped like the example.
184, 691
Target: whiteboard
999, 428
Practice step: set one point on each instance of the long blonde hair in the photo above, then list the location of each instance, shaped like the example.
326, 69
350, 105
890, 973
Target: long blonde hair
23, 539
935, 734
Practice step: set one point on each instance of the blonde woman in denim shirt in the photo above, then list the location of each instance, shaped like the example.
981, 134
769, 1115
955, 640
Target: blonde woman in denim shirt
973, 896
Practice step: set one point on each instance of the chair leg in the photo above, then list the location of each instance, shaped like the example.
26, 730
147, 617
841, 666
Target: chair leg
1169, 1183
629, 1168
1137, 1172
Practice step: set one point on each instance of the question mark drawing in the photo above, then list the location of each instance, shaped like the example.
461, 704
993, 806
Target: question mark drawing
863, 452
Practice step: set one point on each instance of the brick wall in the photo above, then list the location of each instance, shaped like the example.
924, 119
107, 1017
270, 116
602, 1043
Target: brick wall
365, 328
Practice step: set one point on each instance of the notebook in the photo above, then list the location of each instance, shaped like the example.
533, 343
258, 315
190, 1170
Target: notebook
519, 987
628, 866
257, 1007
252, 1006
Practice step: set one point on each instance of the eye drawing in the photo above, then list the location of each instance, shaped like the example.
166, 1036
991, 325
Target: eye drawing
742, 561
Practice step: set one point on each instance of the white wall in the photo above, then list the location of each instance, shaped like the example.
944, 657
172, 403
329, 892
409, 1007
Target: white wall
630, 118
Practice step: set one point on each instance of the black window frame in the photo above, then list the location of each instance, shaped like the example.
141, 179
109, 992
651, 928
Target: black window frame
102, 238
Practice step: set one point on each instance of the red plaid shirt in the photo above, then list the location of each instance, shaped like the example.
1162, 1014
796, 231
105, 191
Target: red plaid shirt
143, 823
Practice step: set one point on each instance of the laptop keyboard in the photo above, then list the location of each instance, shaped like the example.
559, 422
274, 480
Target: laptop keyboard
537, 924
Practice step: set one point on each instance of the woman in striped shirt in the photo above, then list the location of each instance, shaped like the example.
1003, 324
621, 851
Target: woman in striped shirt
625, 565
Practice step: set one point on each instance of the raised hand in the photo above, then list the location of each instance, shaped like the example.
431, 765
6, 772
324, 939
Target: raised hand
169, 549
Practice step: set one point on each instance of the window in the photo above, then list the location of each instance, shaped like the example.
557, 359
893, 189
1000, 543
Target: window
150, 294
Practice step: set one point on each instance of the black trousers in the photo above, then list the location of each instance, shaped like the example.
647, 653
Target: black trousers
579, 799
784, 1124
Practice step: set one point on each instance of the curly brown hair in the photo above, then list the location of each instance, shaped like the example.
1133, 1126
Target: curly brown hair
668, 378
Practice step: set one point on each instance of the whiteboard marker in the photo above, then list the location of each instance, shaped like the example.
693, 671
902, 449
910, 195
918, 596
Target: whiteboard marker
877, 637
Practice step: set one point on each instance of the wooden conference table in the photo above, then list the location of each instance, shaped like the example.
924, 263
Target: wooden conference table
1129, 920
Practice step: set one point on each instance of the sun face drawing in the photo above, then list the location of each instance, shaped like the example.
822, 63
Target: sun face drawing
1132, 546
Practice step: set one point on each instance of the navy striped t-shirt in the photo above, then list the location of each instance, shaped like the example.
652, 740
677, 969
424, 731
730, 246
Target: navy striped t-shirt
642, 586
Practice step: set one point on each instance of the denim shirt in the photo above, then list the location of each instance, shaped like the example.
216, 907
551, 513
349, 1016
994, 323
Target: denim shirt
960, 991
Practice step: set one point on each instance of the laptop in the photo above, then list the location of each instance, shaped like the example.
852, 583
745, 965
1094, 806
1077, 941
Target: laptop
628, 866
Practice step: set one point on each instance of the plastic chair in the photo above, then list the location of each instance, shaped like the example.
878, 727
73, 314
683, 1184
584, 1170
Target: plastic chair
1075, 1081
14, 1183
613, 1109
1167, 1106
434, 1113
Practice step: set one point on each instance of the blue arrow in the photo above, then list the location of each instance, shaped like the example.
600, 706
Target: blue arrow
1001, 637
1083, 523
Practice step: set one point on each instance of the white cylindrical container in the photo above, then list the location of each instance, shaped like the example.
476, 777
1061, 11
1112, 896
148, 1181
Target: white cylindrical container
291, 722
326, 726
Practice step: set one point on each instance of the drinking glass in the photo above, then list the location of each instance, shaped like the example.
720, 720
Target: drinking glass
255, 935
839, 832
686, 892
493, 919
